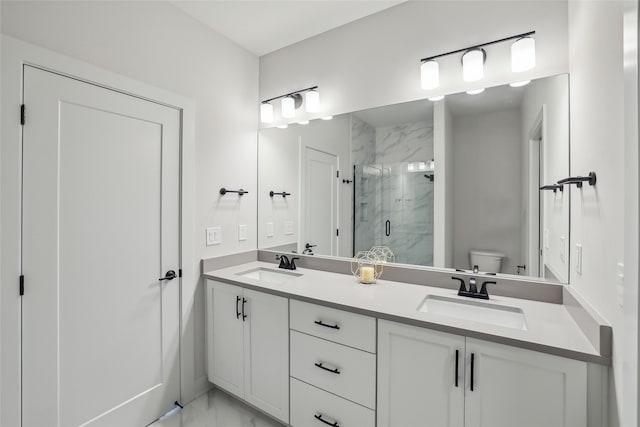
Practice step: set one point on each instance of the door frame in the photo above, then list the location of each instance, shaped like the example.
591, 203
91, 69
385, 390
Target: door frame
14, 55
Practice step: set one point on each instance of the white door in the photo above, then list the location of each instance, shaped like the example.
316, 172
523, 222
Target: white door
517, 387
266, 353
100, 228
321, 201
420, 377
226, 311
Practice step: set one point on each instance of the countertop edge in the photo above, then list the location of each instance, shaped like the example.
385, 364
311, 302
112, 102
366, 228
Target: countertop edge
571, 354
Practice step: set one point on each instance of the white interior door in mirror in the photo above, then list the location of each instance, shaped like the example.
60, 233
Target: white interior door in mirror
320, 201
100, 228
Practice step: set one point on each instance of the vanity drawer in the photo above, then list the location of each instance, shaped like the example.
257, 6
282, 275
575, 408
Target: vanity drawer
342, 370
308, 403
351, 329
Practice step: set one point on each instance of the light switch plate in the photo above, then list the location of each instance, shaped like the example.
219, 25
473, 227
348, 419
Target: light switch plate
563, 249
288, 227
269, 229
214, 236
242, 232
579, 258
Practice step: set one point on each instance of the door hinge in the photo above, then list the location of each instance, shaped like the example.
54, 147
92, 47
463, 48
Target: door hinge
21, 284
180, 273
22, 114
337, 232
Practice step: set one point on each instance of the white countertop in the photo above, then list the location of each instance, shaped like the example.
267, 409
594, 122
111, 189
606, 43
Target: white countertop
550, 328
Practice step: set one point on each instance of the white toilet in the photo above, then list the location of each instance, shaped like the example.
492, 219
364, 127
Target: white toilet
487, 261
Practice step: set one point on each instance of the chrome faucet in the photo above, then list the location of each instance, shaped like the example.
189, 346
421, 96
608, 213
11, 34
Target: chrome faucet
475, 269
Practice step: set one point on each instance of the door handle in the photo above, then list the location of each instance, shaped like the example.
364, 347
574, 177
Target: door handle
387, 228
170, 275
472, 373
244, 302
237, 309
456, 374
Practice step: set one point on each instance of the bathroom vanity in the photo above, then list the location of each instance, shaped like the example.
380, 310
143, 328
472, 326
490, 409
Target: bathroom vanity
315, 347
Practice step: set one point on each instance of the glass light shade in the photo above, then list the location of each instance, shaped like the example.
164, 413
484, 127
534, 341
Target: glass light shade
475, 91
523, 54
473, 65
304, 122
288, 107
436, 98
313, 101
327, 118
519, 84
430, 75
266, 112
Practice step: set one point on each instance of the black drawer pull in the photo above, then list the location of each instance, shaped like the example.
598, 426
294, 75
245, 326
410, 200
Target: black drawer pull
244, 316
321, 323
237, 309
456, 378
333, 371
319, 418
472, 357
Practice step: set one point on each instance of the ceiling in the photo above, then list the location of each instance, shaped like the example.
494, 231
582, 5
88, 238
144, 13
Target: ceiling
265, 26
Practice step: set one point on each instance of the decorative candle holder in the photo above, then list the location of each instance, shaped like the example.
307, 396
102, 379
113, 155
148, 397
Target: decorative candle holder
366, 266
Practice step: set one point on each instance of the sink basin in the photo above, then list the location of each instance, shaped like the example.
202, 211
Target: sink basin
483, 312
268, 275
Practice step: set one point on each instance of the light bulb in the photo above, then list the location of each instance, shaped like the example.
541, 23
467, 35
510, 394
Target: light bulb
518, 84
475, 91
266, 112
313, 101
288, 107
523, 54
473, 65
429, 75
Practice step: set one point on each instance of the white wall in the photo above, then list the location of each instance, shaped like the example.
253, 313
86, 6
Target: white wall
597, 116
375, 61
155, 43
486, 188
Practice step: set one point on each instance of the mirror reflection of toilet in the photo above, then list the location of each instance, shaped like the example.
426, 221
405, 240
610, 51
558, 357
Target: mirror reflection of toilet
487, 261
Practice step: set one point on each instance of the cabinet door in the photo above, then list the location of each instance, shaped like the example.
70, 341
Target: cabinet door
517, 387
224, 337
266, 353
417, 377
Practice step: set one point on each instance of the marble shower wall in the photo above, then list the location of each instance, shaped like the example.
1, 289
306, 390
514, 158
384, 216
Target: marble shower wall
402, 197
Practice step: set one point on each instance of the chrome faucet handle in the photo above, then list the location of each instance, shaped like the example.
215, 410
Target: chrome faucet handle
475, 269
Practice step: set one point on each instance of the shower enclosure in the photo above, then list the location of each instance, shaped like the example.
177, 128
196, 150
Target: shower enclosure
393, 207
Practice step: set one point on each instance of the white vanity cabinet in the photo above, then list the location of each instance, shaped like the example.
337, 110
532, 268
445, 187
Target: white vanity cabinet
248, 346
491, 385
333, 367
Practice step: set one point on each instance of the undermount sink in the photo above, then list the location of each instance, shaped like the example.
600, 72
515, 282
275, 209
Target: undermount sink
483, 312
269, 275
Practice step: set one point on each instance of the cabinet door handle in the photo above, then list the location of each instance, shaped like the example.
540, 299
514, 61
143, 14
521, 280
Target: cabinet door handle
237, 308
456, 374
333, 371
472, 357
321, 323
319, 418
244, 302
387, 228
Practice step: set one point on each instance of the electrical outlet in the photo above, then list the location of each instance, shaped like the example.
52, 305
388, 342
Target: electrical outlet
214, 236
242, 232
620, 283
579, 258
269, 229
288, 227
562, 249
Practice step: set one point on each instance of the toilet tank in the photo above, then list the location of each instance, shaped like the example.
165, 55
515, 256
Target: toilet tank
487, 261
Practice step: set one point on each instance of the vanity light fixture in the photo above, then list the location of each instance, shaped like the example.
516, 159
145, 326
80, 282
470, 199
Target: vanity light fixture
313, 101
473, 65
523, 58
290, 102
266, 112
523, 54
520, 84
430, 75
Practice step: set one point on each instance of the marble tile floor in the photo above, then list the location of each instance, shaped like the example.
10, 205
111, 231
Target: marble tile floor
216, 409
